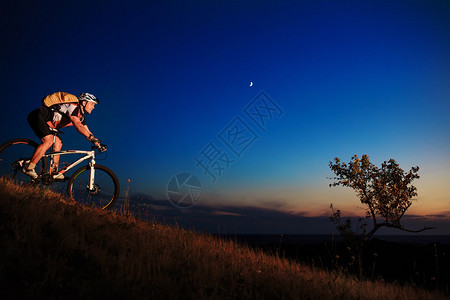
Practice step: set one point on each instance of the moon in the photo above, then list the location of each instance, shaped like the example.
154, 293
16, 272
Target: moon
251, 83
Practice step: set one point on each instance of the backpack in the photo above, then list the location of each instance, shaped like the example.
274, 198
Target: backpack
59, 98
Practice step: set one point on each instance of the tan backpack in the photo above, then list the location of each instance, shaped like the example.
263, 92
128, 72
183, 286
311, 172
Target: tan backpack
59, 98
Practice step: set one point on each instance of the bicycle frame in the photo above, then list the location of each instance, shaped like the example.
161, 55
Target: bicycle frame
88, 155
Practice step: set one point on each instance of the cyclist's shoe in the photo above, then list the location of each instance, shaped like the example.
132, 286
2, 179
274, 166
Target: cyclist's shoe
30, 172
58, 176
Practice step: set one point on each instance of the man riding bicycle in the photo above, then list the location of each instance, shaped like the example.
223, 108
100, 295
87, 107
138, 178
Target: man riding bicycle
44, 119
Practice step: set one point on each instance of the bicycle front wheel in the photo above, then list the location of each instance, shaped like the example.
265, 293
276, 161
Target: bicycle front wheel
105, 190
16, 153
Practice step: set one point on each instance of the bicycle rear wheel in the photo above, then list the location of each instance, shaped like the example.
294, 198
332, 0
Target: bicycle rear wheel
16, 153
105, 191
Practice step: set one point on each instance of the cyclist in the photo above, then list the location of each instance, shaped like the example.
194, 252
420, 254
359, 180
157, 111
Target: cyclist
59, 116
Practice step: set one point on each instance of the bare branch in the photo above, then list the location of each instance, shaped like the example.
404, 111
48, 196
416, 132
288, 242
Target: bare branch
404, 229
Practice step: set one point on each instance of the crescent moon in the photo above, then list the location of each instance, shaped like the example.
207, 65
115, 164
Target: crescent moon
251, 83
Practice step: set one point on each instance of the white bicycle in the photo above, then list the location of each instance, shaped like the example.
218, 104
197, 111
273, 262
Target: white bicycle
92, 184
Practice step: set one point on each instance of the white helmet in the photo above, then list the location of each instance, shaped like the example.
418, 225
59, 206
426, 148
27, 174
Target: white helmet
88, 97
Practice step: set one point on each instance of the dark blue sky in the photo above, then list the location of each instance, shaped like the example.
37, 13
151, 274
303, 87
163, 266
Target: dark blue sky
348, 77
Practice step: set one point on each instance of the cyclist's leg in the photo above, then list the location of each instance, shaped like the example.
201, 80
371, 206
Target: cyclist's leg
47, 142
37, 122
56, 147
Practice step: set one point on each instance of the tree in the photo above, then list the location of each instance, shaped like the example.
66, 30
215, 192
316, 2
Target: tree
386, 194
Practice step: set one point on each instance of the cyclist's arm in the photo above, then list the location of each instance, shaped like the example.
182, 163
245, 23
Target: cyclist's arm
87, 129
81, 128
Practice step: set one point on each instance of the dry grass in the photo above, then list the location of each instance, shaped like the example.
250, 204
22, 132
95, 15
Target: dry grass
54, 249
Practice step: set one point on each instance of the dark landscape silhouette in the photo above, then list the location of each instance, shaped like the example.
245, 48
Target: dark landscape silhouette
52, 248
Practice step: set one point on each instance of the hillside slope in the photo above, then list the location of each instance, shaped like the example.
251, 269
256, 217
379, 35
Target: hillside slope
51, 248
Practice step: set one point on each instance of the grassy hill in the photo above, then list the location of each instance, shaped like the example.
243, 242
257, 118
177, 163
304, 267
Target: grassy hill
51, 248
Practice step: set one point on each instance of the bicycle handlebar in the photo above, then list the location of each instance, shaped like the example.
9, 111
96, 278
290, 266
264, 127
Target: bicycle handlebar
101, 148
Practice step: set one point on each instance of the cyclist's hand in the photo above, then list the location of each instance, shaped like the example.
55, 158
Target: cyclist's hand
94, 140
101, 147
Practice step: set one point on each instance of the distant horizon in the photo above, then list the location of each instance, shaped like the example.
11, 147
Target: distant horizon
249, 220
296, 239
